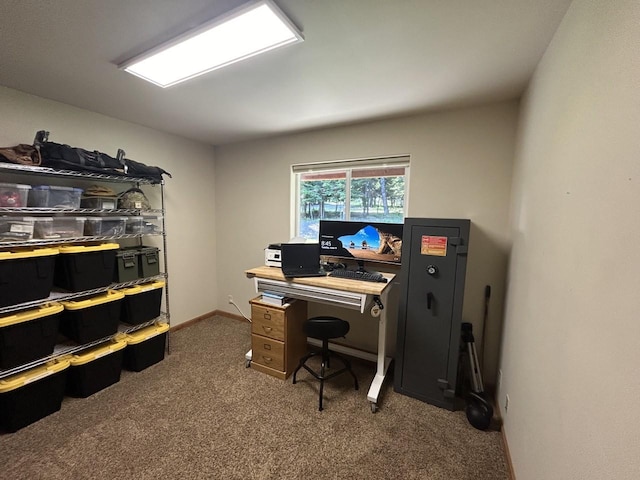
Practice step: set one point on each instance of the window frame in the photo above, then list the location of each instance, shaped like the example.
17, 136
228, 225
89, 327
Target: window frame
346, 166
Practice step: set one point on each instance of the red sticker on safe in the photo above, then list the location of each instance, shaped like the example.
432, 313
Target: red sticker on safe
436, 246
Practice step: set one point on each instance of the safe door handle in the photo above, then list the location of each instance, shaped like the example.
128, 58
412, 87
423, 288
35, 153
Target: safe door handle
431, 303
429, 300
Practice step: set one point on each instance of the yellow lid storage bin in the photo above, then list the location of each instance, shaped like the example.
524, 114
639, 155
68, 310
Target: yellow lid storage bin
26, 274
28, 335
142, 302
31, 395
89, 319
85, 267
145, 347
95, 369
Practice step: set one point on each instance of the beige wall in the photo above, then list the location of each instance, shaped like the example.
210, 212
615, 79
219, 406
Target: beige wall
461, 165
190, 212
570, 349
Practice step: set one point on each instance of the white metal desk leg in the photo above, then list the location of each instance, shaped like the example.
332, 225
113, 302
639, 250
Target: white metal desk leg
382, 361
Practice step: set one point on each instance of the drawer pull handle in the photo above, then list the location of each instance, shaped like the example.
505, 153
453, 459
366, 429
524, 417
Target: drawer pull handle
267, 346
267, 329
267, 359
267, 316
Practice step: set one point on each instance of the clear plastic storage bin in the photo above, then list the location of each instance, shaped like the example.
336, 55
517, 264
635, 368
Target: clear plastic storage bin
146, 224
105, 226
58, 227
14, 195
50, 196
16, 229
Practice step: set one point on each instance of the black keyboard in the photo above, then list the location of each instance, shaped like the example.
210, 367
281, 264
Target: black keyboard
357, 275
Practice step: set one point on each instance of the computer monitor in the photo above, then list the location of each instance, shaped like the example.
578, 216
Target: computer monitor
361, 241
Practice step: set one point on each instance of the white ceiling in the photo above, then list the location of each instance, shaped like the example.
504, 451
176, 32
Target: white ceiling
361, 60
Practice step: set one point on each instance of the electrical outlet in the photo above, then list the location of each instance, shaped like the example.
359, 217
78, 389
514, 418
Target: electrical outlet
230, 299
506, 403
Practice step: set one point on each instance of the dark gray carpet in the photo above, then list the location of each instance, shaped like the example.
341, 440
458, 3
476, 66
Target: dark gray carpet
200, 414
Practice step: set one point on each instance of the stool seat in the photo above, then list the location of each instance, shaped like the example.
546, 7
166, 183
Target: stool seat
325, 328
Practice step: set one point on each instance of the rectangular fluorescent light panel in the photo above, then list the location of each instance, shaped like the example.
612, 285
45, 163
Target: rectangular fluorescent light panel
247, 31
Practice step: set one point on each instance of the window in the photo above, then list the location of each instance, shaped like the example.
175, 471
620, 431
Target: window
368, 189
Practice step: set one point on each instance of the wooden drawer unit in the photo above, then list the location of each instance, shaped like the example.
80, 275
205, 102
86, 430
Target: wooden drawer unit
268, 352
277, 339
267, 321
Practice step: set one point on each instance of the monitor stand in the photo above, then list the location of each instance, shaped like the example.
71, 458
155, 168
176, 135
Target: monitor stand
361, 266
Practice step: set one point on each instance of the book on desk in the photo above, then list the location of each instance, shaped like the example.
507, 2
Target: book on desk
275, 299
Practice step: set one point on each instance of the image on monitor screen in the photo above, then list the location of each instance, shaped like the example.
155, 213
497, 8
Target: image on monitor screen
362, 241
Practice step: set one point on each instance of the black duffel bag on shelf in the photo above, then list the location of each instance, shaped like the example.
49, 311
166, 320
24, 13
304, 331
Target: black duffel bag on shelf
137, 169
65, 157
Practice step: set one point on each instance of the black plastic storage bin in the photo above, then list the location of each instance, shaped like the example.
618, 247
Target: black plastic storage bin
31, 395
28, 335
91, 318
26, 275
145, 347
95, 369
142, 302
85, 267
126, 269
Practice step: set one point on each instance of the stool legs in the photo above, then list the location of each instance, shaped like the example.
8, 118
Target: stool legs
325, 360
324, 366
303, 360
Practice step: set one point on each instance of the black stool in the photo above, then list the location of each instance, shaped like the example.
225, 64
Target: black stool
325, 328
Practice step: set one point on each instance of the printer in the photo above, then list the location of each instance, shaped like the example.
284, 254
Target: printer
272, 256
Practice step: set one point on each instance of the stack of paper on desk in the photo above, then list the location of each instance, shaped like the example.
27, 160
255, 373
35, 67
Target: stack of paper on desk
275, 299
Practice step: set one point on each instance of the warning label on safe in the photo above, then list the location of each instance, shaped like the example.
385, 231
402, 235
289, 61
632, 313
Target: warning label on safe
436, 246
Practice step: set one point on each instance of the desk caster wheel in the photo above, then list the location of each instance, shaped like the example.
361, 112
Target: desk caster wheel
374, 407
247, 363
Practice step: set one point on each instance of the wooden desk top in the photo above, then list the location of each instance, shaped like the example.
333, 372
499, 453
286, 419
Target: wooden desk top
356, 286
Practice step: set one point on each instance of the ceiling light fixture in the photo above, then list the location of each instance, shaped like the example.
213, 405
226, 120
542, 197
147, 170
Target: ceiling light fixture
253, 28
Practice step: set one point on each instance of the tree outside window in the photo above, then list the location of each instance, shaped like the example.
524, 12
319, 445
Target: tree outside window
364, 194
